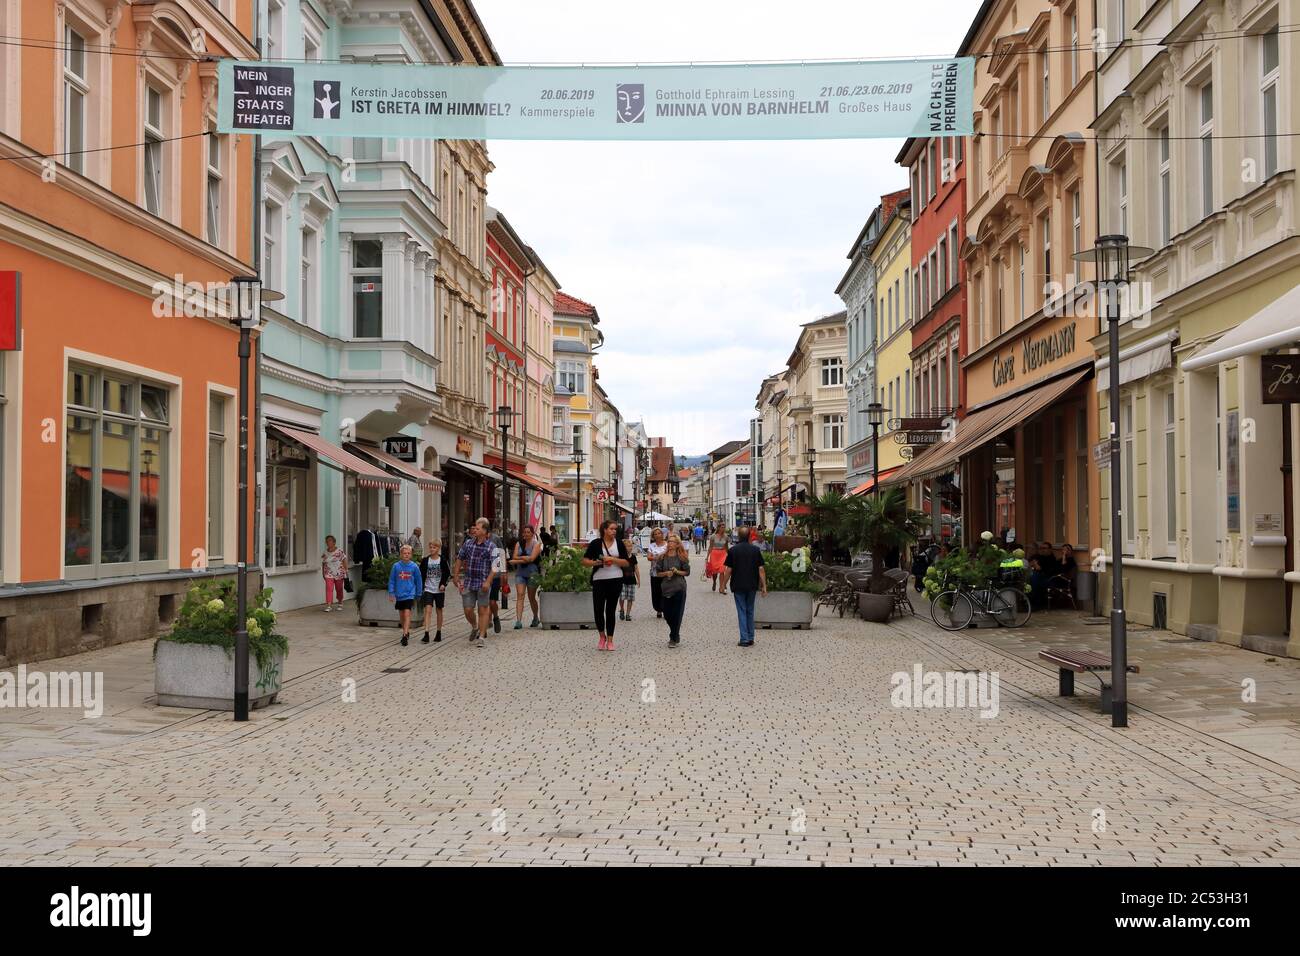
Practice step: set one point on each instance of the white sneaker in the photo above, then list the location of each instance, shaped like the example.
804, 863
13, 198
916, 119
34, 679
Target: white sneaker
328, 608
338, 607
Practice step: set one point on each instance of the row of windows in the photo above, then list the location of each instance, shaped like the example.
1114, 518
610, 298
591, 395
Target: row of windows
1200, 174
936, 165
83, 104
938, 272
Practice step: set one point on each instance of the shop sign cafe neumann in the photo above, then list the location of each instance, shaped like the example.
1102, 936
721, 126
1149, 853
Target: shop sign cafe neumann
1035, 352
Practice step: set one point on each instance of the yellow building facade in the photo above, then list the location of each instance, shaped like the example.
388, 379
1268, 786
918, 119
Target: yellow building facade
892, 258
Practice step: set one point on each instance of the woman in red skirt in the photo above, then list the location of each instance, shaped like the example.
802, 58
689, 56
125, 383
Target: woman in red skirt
717, 556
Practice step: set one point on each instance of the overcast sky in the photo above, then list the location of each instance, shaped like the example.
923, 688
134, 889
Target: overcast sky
703, 258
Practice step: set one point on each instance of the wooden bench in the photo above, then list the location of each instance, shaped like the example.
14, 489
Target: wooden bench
1069, 663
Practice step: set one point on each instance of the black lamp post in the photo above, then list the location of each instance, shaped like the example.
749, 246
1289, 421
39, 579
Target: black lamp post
246, 313
503, 414
578, 457
1113, 256
811, 457
875, 418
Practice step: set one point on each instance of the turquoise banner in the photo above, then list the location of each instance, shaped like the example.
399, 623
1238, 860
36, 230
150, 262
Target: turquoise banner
883, 98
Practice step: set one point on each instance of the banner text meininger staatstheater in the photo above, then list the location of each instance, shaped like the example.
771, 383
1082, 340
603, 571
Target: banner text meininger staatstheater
844, 100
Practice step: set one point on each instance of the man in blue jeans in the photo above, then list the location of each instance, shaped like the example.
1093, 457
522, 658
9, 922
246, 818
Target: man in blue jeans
744, 572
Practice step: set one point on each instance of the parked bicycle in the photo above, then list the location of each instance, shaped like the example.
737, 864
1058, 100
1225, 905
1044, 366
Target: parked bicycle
955, 605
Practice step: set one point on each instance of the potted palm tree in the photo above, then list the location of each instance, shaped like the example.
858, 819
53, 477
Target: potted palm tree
824, 523
879, 524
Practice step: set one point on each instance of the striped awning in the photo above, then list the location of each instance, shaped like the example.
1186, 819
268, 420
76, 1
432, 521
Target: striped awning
398, 468
983, 426
368, 475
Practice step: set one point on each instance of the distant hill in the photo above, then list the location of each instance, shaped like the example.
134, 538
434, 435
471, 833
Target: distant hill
691, 461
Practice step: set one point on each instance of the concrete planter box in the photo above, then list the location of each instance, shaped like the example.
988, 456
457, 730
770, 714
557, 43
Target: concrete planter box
566, 609
202, 676
875, 607
784, 609
376, 610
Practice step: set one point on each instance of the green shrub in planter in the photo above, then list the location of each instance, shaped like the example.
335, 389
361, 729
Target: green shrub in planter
207, 616
564, 572
781, 575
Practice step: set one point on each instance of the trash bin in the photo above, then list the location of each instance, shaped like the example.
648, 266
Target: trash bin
1085, 589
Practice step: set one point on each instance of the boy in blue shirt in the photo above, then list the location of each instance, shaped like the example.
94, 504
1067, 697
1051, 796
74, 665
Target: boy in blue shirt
404, 586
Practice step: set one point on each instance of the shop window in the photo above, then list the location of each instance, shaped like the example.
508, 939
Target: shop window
1171, 474
1129, 473
216, 477
285, 516
286, 513
115, 473
1081, 453
1004, 488
1058, 480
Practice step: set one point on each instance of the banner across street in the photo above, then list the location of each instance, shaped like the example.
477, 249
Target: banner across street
845, 100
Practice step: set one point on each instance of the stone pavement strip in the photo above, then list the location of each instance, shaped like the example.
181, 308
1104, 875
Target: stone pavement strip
540, 749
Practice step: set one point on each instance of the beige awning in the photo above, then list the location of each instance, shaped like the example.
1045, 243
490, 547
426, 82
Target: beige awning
983, 426
1274, 326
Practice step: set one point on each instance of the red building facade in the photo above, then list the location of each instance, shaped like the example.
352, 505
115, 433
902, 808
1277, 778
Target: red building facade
937, 170
505, 345
937, 173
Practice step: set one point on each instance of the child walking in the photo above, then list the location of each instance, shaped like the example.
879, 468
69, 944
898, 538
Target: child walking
631, 578
435, 572
334, 568
404, 586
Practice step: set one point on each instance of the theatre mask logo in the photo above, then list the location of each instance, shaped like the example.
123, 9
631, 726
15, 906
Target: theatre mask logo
326, 99
631, 102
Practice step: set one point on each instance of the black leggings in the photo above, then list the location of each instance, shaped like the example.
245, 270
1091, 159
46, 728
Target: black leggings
656, 596
604, 602
674, 608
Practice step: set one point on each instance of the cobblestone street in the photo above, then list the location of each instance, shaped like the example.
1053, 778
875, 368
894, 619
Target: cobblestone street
540, 749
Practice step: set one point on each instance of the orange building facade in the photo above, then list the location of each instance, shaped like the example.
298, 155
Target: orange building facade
119, 414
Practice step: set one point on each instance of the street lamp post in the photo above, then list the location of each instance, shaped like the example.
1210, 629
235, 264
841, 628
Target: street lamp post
503, 414
811, 457
248, 296
1112, 256
875, 418
578, 457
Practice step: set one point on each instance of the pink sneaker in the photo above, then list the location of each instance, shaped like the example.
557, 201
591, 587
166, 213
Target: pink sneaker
609, 643
601, 645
